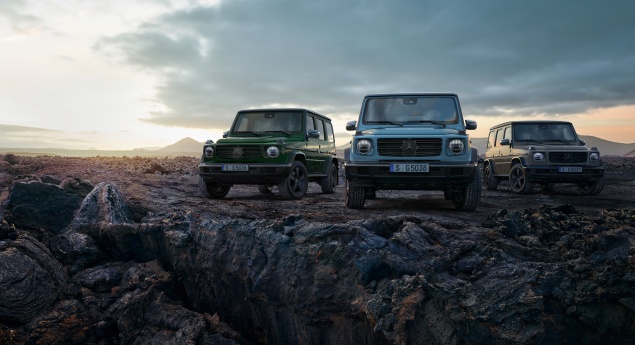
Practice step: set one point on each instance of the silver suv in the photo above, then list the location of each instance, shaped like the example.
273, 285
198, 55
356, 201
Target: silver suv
529, 153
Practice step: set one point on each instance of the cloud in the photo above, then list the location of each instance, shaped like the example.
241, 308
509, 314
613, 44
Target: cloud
20, 23
523, 58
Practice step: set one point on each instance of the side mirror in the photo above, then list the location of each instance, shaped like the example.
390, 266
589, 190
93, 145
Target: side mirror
469, 124
351, 125
582, 142
225, 134
505, 142
312, 133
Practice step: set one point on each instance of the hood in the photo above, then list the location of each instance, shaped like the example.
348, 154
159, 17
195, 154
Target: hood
410, 131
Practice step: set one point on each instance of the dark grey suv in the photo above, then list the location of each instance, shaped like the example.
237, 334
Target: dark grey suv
541, 153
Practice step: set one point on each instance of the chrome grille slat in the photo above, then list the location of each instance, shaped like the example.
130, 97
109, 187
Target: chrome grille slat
426, 147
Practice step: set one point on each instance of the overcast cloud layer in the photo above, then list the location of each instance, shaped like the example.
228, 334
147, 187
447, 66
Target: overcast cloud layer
501, 57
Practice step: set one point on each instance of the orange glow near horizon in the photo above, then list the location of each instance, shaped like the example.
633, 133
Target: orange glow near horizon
614, 124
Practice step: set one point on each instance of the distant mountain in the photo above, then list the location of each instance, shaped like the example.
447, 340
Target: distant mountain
606, 147
184, 145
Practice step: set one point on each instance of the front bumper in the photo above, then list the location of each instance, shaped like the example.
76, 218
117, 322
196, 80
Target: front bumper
550, 174
439, 177
257, 174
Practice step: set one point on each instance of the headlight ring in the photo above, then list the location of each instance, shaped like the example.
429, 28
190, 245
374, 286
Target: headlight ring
209, 152
456, 146
273, 151
364, 147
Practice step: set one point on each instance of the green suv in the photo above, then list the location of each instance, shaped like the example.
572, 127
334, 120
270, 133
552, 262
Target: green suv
530, 153
412, 141
287, 148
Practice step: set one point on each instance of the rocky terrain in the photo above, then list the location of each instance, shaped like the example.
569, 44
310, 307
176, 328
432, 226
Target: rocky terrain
125, 251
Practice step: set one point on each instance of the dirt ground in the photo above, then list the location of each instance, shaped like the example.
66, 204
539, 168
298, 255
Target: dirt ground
165, 185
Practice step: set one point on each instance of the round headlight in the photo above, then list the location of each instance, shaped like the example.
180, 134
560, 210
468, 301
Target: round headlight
273, 151
209, 152
594, 156
456, 146
538, 157
364, 147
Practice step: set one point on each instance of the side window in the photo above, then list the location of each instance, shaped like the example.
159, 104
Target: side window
319, 125
329, 132
309, 123
491, 141
499, 136
508, 133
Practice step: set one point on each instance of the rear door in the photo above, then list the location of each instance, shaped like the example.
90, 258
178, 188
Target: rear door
312, 146
505, 152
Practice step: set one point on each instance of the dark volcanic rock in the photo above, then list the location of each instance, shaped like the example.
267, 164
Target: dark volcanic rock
30, 279
540, 276
103, 204
36, 205
77, 186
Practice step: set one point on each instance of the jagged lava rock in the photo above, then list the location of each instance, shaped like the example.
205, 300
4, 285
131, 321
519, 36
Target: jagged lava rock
36, 205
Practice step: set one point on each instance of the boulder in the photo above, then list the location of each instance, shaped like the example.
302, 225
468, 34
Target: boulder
36, 205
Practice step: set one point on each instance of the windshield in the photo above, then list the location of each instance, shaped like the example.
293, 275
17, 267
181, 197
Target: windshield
562, 132
265, 121
411, 109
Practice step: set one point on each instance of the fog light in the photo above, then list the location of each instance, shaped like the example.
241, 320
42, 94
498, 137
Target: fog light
273, 151
538, 157
209, 152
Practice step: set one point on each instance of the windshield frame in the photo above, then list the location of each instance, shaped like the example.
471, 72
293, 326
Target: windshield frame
560, 132
403, 110
271, 122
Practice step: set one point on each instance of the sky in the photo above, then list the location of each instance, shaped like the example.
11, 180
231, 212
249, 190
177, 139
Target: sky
120, 74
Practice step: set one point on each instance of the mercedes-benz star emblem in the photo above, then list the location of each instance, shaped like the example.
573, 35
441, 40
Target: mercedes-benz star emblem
237, 152
409, 147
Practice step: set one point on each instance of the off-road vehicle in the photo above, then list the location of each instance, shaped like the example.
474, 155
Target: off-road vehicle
412, 141
287, 148
530, 153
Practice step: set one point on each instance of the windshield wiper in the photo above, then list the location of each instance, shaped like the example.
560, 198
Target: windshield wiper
559, 140
532, 140
285, 132
252, 132
429, 121
390, 122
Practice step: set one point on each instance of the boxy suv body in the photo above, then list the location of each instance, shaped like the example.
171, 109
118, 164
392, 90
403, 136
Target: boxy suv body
412, 141
287, 148
529, 153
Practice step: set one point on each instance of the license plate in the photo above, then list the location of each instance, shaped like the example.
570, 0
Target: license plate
235, 167
414, 168
569, 169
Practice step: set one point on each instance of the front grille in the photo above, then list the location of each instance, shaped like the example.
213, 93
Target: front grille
238, 152
405, 147
567, 157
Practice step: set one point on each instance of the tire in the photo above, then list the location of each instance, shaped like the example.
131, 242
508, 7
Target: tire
591, 188
489, 180
265, 188
466, 199
355, 196
213, 190
296, 184
518, 180
370, 193
329, 182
